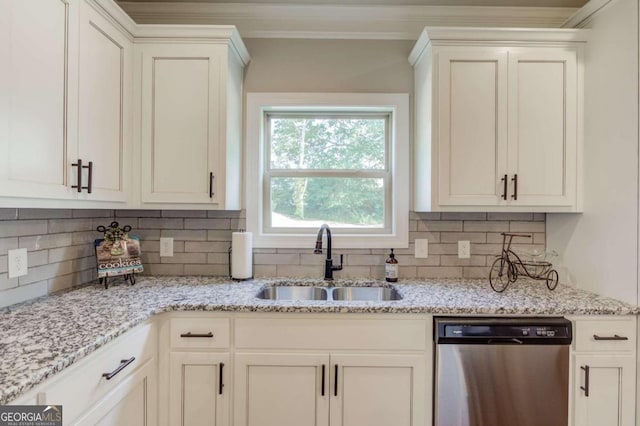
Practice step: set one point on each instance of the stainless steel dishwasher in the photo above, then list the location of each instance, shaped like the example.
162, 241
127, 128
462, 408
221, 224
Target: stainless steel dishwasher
501, 371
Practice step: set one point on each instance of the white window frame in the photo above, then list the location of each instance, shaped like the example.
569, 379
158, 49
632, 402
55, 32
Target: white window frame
258, 104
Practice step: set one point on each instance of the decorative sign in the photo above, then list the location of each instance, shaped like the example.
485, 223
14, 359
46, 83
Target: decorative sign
118, 253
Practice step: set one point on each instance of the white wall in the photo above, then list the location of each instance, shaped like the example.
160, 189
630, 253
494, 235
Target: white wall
600, 247
293, 65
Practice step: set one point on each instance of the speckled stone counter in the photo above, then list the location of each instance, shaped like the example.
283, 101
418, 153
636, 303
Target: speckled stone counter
46, 335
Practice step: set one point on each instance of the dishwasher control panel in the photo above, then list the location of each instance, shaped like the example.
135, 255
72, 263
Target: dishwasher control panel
503, 330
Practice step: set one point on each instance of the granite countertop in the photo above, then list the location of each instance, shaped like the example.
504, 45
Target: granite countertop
42, 337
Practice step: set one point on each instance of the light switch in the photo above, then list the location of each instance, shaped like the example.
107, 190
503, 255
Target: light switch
166, 247
464, 249
422, 248
17, 260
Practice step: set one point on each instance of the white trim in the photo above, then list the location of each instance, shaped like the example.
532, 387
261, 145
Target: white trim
434, 35
397, 102
585, 14
258, 20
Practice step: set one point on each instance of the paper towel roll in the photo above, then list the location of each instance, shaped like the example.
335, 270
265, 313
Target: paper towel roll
241, 255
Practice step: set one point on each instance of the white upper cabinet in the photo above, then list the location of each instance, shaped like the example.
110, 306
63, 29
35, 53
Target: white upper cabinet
71, 130
190, 111
104, 113
497, 120
37, 75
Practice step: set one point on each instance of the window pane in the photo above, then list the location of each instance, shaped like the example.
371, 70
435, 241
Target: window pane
339, 202
328, 143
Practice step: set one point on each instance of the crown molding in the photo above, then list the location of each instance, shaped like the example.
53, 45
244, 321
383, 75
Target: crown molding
583, 16
342, 21
526, 36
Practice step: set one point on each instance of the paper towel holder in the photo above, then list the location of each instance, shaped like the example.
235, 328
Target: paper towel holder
229, 257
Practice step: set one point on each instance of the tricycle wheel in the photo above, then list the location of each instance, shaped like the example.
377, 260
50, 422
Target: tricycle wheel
501, 274
552, 279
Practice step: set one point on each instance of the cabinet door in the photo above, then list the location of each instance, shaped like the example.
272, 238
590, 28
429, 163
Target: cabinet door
543, 126
611, 389
197, 394
180, 117
378, 390
38, 62
471, 127
131, 403
104, 97
281, 390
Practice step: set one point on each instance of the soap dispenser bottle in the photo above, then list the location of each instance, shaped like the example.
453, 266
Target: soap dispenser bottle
391, 268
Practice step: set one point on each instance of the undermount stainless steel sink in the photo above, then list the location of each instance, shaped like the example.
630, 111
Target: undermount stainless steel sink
293, 293
369, 294
348, 294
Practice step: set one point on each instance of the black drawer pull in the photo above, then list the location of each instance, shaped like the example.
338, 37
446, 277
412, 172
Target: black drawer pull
123, 364
614, 337
189, 334
323, 380
585, 388
220, 381
78, 164
335, 383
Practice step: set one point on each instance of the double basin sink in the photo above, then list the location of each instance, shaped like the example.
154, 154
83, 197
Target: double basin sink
353, 294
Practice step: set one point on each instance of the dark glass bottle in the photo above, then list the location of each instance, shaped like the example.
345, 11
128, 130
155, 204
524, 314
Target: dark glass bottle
391, 268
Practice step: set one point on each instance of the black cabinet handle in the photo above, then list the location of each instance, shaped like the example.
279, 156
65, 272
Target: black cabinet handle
585, 388
220, 381
614, 337
504, 187
335, 383
123, 364
89, 177
323, 379
515, 187
78, 185
211, 177
189, 334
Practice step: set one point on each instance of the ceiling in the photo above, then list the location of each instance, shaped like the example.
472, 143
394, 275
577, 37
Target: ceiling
503, 3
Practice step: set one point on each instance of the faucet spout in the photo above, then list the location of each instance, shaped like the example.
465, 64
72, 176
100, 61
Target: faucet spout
328, 263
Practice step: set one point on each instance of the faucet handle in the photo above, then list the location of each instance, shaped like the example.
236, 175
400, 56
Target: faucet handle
338, 268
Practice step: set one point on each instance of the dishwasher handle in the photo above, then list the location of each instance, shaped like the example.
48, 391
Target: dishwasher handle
505, 341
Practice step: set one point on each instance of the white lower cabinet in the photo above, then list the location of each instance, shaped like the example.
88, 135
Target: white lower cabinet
604, 371
282, 389
197, 389
605, 390
320, 389
377, 390
131, 403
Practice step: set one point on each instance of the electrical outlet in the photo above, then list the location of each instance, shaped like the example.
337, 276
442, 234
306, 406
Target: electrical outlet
166, 247
17, 263
422, 249
464, 249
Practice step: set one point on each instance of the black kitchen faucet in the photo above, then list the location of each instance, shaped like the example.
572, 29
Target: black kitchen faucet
328, 263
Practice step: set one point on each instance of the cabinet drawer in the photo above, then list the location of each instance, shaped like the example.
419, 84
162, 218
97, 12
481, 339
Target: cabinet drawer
194, 333
331, 334
605, 335
84, 384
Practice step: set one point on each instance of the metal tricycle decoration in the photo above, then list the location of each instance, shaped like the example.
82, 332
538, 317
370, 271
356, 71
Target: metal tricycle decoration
508, 266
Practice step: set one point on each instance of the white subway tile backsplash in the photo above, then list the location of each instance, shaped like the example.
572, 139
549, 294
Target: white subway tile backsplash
61, 253
18, 228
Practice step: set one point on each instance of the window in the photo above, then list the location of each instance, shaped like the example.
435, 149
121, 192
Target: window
340, 159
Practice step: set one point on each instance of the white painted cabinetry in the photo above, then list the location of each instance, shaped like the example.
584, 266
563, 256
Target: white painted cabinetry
191, 103
127, 396
336, 371
104, 113
38, 78
195, 366
604, 372
71, 130
497, 120
67, 98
